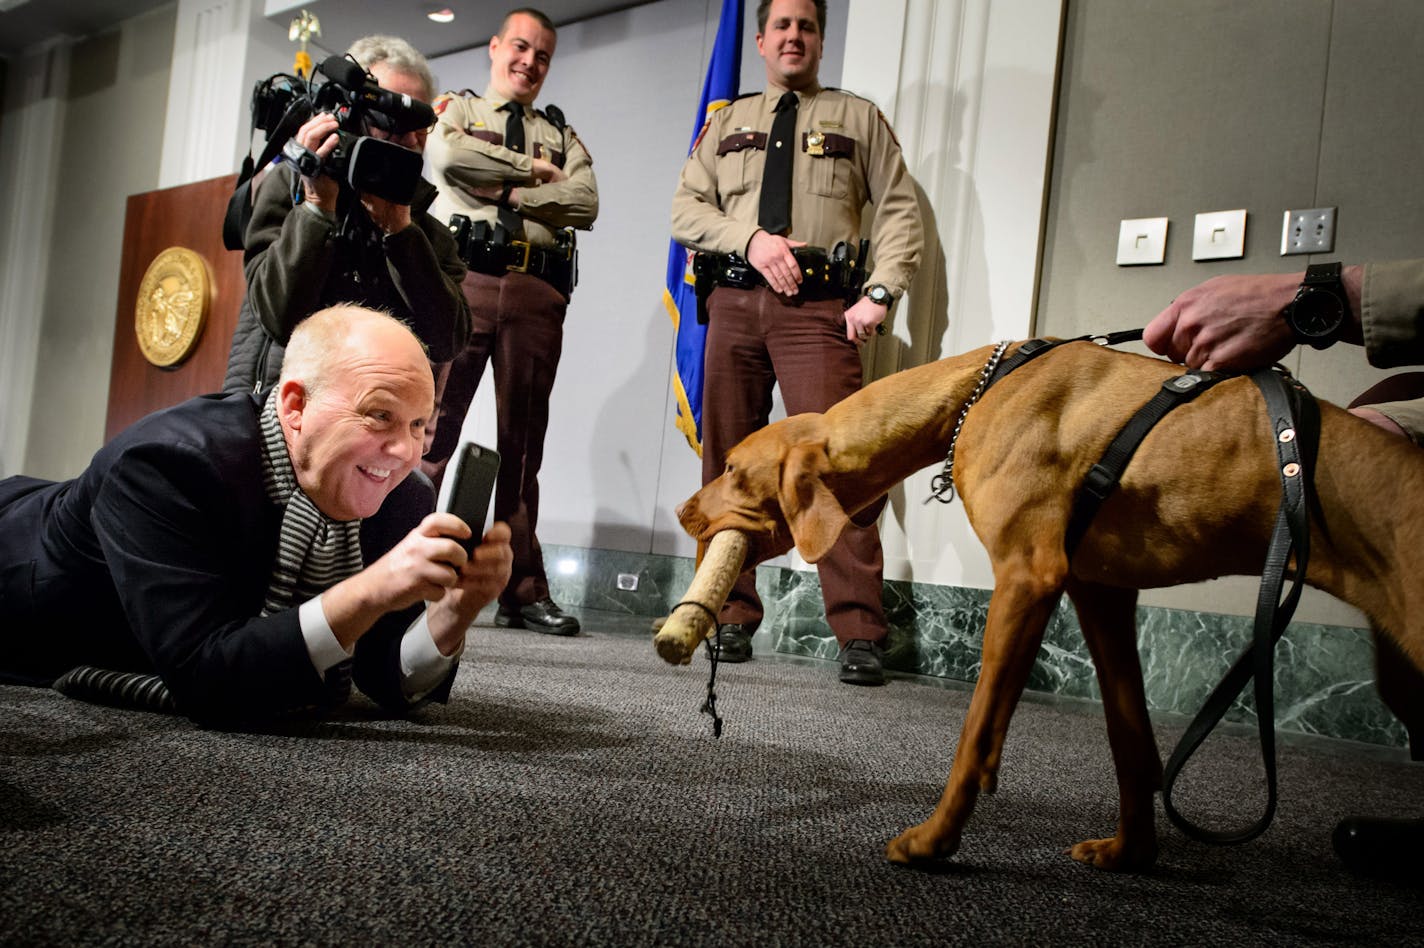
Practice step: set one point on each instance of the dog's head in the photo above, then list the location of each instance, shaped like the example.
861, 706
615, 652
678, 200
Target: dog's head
773, 490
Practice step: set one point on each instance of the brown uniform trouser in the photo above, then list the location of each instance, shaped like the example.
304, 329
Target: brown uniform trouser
517, 322
757, 339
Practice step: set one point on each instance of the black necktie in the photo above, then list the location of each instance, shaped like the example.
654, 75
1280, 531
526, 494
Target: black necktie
774, 215
514, 127
514, 141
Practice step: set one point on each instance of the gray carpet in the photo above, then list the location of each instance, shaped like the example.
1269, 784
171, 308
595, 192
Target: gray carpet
570, 794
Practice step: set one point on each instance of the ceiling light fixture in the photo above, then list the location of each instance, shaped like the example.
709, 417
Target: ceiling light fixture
445, 15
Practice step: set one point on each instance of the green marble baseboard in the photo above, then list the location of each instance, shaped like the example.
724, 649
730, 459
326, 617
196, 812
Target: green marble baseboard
1324, 674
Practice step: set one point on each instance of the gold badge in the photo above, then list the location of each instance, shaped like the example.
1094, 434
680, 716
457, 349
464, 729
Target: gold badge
173, 301
815, 143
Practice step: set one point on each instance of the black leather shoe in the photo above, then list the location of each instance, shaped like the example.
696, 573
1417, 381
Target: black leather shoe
734, 643
860, 663
1381, 848
541, 616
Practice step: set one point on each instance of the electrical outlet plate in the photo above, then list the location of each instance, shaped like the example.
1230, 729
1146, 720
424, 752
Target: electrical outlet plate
1219, 235
1311, 231
628, 582
1141, 241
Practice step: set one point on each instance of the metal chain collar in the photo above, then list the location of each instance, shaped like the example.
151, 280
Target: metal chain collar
942, 487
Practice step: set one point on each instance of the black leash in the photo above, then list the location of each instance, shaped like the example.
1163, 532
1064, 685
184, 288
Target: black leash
1295, 423
1034, 348
710, 705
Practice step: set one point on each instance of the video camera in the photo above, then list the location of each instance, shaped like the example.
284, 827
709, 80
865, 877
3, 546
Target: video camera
282, 103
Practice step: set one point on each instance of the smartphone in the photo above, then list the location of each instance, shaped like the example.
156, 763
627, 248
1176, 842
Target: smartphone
472, 487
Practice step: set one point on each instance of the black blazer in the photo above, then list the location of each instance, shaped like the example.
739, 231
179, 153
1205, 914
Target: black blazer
157, 559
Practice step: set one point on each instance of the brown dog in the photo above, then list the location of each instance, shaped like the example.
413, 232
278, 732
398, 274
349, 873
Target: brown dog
1198, 501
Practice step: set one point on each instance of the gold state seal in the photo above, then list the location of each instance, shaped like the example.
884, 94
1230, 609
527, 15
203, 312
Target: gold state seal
172, 305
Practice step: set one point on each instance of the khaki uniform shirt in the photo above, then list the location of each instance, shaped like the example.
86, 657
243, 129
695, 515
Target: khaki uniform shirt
466, 150
1392, 317
719, 194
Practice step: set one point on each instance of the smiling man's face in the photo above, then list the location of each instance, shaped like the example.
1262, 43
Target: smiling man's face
790, 44
355, 435
519, 58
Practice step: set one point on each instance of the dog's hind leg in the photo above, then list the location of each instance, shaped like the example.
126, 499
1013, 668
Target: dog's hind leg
1019, 611
1401, 688
1107, 615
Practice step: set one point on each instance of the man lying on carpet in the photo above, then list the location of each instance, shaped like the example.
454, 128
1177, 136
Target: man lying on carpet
258, 552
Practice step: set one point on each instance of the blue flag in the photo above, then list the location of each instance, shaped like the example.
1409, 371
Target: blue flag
720, 87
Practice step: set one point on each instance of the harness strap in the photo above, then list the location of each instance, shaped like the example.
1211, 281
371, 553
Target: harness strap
1102, 479
1295, 423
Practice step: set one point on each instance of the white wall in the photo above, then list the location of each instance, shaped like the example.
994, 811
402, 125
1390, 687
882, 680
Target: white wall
972, 102
35, 87
108, 134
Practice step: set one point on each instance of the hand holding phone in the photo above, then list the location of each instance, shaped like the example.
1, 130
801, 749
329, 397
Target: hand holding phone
472, 487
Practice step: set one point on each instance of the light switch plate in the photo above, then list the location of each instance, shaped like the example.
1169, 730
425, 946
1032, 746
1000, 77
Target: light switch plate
1311, 231
1219, 235
1142, 240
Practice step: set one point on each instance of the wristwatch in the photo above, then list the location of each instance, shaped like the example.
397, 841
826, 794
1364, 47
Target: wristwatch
877, 293
1318, 314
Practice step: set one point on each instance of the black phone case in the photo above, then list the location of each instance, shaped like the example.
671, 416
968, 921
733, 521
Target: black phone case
473, 486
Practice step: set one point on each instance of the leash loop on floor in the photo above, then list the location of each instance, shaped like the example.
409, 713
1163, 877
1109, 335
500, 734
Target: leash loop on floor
1295, 425
710, 705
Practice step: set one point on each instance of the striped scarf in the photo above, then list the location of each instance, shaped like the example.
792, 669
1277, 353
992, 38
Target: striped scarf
314, 552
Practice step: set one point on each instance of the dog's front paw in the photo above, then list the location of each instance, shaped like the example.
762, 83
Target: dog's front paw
1115, 855
921, 844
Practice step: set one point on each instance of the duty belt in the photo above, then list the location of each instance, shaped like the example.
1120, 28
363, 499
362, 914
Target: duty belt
824, 276
557, 265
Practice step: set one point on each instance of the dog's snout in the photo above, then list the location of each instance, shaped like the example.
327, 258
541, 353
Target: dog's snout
690, 516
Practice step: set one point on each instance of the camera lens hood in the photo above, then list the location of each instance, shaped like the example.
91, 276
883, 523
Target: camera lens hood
384, 169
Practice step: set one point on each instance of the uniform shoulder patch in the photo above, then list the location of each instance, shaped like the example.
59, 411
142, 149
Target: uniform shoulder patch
879, 114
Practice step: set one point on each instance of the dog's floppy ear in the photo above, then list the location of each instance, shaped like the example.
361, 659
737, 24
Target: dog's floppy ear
815, 516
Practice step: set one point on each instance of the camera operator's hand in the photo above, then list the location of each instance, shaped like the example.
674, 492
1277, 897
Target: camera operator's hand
318, 135
391, 218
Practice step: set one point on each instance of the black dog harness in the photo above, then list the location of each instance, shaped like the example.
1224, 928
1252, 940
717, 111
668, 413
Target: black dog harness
1295, 424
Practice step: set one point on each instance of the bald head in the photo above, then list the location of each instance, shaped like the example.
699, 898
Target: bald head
339, 334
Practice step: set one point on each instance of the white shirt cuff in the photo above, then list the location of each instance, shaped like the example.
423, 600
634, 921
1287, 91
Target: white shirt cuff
422, 665
330, 218
322, 646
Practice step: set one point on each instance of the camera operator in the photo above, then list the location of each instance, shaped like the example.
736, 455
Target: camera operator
313, 240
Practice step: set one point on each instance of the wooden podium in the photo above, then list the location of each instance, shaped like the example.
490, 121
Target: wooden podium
189, 216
